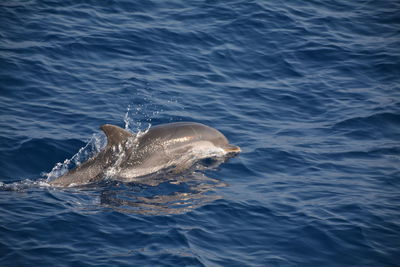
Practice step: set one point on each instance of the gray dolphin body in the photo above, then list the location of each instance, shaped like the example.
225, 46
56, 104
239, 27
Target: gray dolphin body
129, 156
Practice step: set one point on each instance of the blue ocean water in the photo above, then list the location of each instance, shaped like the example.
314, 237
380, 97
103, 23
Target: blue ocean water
308, 89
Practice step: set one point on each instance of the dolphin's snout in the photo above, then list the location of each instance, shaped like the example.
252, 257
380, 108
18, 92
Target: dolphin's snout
232, 149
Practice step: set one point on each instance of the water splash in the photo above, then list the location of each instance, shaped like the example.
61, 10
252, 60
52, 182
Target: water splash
95, 144
98, 141
137, 117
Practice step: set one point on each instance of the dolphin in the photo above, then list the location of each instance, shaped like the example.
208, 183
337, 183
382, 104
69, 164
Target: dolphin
127, 156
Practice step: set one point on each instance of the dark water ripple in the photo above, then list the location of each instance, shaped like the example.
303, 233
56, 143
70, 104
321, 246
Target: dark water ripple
308, 90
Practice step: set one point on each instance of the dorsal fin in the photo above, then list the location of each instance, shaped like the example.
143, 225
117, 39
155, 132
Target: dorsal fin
115, 135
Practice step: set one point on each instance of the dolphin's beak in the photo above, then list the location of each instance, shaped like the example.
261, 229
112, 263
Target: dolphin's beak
232, 149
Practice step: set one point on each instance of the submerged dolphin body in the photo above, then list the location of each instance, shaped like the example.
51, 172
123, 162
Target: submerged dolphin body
175, 146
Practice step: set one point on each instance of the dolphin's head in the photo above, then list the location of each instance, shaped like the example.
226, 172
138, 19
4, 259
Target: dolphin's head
216, 137
186, 134
190, 132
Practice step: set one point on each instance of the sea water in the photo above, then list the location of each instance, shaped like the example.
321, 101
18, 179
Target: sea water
308, 89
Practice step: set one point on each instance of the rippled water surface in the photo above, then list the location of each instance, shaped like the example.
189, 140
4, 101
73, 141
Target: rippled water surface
308, 89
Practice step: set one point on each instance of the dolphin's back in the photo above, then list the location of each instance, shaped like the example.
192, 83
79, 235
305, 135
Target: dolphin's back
182, 133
